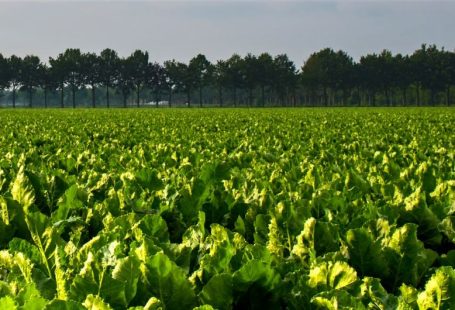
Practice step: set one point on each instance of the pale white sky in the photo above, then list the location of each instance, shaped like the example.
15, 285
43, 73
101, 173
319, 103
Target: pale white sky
182, 29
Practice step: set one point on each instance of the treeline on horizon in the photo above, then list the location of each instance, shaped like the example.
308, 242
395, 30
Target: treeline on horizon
327, 78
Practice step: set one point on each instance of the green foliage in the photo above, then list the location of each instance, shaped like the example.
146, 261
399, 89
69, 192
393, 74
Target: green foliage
172, 209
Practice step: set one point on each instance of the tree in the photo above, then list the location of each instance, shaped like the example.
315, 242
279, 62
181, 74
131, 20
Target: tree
234, 74
316, 72
343, 74
264, 73
369, 77
386, 74
109, 68
448, 72
220, 78
431, 69
74, 77
91, 73
172, 76
181, 78
451, 73
250, 75
157, 80
328, 71
201, 70
284, 78
46, 81
15, 69
29, 75
58, 71
4, 73
125, 79
402, 79
138, 61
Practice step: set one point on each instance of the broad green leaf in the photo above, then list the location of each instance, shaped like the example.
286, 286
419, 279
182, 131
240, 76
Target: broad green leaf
25, 247
127, 271
30, 298
336, 300
22, 190
448, 259
8, 303
416, 211
365, 254
439, 290
328, 275
375, 296
61, 279
256, 271
256, 285
204, 307
275, 242
149, 179
57, 304
153, 225
408, 298
93, 302
82, 286
168, 282
447, 226
154, 304
17, 264
407, 258
221, 251
44, 237
317, 238
218, 292
4, 211
67, 204
5, 289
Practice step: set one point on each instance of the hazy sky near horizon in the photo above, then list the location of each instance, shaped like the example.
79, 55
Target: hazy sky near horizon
181, 29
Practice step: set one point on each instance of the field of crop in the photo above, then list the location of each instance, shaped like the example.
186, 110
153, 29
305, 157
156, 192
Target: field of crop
244, 209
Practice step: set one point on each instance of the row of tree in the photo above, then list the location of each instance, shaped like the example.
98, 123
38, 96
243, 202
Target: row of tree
327, 78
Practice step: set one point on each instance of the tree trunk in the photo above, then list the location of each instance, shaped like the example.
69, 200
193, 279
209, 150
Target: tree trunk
432, 95
200, 97
188, 98
326, 97
138, 91
107, 95
30, 95
14, 96
62, 104
250, 97
387, 97
45, 97
418, 95
220, 96
235, 97
124, 99
448, 95
156, 94
73, 90
404, 96
170, 97
263, 95
93, 96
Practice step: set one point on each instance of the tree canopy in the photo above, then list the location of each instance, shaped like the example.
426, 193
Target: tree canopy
327, 78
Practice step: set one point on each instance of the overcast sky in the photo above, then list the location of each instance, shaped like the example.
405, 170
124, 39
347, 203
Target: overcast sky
182, 29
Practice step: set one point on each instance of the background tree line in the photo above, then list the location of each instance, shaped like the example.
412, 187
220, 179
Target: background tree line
327, 78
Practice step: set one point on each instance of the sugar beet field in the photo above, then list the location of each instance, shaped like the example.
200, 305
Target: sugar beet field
227, 209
